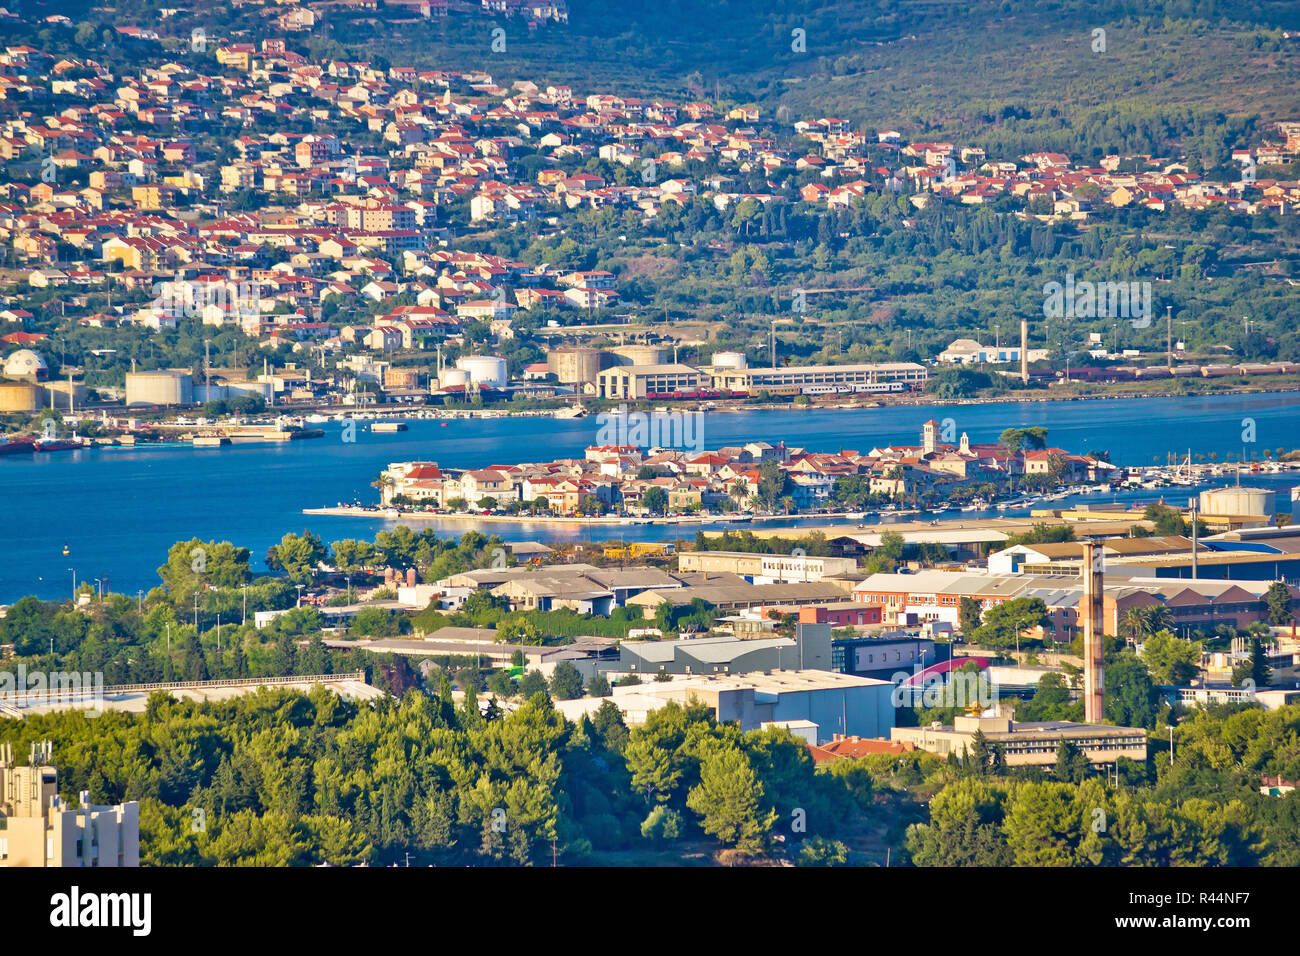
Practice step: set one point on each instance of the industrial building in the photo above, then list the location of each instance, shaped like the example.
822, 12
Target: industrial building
1247, 554
765, 568
635, 382
809, 649
836, 703
1031, 744
41, 830
935, 595
734, 597
882, 657
791, 379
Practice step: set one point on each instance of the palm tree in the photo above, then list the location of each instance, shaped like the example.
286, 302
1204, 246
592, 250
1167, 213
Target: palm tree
1139, 623
1130, 625
1158, 618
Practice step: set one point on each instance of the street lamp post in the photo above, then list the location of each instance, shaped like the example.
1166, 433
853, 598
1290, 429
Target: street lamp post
74, 584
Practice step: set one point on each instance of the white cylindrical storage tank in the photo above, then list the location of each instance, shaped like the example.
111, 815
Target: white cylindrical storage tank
262, 390
1238, 501
159, 388
454, 378
730, 360
641, 354
488, 370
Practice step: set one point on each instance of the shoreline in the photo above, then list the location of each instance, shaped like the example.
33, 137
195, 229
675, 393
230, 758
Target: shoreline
339, 414
394, 514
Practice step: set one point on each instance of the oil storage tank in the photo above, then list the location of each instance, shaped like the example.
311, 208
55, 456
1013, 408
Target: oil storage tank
733, 360
489, 370
1238, 502
641, 354
574, 366
19, 397
159, 388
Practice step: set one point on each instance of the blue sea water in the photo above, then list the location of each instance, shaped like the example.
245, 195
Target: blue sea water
118, 510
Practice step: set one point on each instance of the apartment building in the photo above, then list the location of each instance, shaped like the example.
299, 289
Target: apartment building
40, 829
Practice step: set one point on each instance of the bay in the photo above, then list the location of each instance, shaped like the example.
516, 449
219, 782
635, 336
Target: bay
118, 510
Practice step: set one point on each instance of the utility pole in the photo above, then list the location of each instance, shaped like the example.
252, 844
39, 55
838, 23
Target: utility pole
1169, 336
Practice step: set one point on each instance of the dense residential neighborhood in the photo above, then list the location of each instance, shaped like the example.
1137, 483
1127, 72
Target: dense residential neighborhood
630, 479
131, 195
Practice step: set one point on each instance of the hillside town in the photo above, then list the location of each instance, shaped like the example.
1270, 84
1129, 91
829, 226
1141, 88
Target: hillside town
344, 240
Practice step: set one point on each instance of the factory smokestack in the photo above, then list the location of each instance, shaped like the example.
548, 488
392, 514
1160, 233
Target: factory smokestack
1092, 618
1024, 350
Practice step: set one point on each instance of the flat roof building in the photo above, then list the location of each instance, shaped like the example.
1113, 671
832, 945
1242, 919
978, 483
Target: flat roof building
633, 382
766, 568
831, 701
1032, 744
791, 378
